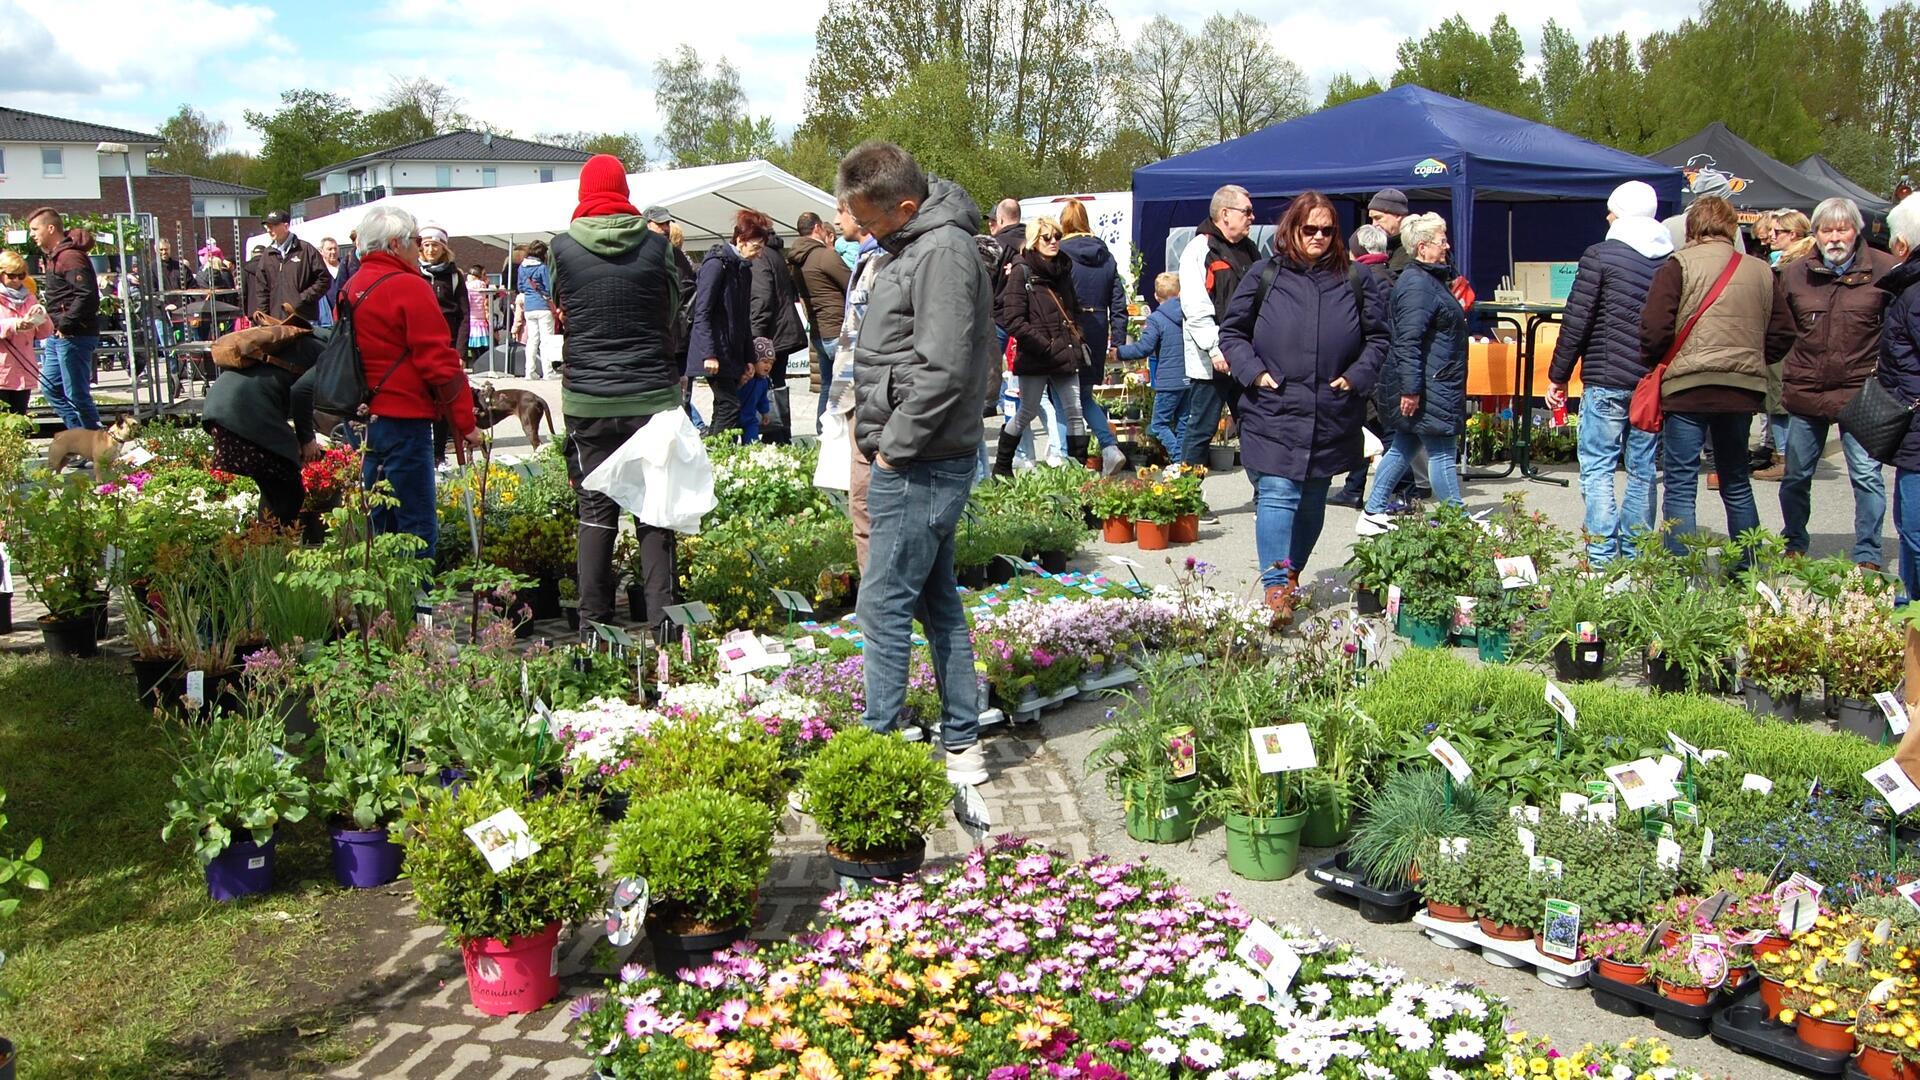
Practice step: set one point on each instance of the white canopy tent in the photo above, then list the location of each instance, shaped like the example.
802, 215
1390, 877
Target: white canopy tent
703, 200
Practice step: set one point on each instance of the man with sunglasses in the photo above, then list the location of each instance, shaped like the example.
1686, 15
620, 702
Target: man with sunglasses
1211, 266
72, 299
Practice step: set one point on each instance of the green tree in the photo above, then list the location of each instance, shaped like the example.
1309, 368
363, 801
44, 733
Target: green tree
311, 129
631, 149
1896, 65
1342, 88
807, 156
1159, 95
1562, 70
192, 140
1245, 84
703, 118
935, 116
1732, 62
1459, 61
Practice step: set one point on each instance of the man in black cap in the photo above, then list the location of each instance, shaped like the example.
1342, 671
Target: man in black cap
1387, 209
288, 271
660, 220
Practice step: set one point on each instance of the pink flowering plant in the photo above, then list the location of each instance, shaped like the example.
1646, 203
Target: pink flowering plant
1034, 648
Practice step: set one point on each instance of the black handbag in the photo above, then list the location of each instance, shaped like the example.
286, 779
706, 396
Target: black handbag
1878, 420
338, 379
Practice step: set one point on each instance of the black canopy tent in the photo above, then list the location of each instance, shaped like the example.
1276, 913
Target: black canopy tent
1819, 167
1759, 182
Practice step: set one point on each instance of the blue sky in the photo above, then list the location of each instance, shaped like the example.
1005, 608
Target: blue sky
546, 65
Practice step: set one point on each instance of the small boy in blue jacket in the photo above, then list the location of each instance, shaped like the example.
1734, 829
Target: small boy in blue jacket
1163, 346
756, 392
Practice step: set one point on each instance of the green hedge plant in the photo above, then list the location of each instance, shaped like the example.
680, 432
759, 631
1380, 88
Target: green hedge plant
683, 754
703, 852
874, 796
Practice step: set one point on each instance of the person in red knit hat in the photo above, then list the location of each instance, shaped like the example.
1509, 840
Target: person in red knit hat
617, 286
411, 367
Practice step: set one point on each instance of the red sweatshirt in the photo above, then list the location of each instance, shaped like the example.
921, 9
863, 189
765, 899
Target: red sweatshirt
401, 323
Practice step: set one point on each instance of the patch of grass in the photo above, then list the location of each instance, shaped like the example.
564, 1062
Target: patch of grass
126, 968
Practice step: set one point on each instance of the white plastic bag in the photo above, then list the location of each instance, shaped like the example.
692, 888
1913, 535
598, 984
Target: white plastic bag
835, 468
661, 475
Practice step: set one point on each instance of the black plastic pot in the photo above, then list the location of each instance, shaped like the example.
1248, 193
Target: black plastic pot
1367, 602
613, 804
572, 614
636, 602
1580, 661
7, 1059
1760, 703
999, 572
1680, 1021
974, 577
6, 613
74, 637
1665, 678
862, 873
1862, 718
1745, 1027
149, 674
1337, 874
674, 952
313, 528
1053, 562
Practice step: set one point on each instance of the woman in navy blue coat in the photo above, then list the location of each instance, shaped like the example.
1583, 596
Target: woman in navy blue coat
1422, 394
1102, 318
1304, 336
720, 342
1900, 373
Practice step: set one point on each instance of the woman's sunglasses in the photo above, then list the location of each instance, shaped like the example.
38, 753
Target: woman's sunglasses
1316, 230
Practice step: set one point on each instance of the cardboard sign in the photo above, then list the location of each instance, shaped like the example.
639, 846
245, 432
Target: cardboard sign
1517, 572
1641, 783
1573, 804
502, 838
1560, 932
1261, 948
1445, 754
1756, 782
1562, 704
1894, 709
1285, 748
1890, 780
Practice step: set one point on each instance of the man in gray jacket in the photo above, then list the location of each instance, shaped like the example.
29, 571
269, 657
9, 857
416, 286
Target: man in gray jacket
922, 360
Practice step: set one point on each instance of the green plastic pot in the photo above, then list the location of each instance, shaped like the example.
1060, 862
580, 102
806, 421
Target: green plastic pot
1170, 821
1423, 634
1266, 848
1494, 646
1328, 823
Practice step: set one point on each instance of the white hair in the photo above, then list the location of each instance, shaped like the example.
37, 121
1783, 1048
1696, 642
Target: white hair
1371, 239
1838, 211
1903, 221
1220, 197
1417, 229
381, 226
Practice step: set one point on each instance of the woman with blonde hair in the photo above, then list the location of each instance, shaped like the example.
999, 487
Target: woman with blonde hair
1102, 318
23, 321
1037, 306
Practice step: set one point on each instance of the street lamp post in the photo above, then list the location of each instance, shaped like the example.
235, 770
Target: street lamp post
126, 260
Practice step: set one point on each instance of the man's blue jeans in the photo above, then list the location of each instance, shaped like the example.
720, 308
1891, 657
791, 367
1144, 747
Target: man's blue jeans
1287, 517
915, 510
1395, 464
401, 453
1906, 525
66, 378
1681, 440
1605, 439
1169, 418
1806, 439
1205, 398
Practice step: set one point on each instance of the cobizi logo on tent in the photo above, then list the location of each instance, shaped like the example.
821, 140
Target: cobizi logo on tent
1430, 167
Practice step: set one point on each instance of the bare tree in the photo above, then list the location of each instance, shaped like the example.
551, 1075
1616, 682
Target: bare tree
439, 105
1159, 93
1245, 84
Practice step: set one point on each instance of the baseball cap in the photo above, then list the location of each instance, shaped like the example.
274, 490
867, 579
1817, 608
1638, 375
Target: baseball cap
276, 217
658, 214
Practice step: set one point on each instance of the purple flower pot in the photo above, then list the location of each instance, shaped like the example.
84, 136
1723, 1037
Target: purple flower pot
244, 869
364, 859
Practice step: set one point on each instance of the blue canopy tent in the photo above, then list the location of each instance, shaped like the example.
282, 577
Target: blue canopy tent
1551, 186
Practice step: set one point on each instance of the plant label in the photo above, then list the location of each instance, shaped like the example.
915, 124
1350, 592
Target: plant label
1882, 990
626, 910
1894, 709
1545, 864
1286, 748
970, 810
1642, 783
6, 571
1766, 593
1882, 930
1854, 949
1561, 704
1445, 754
135, 455
1797, 915
1672, 767
1599, 790
1813, 790
1708, 959
1683, 747
112, 559
1121, 561
1586, 633
1658, 931
1453, 847
1529, 815
1393, 602
543, 716
526, 686
1798, 883
1573, 804
1891, 781
1667, 854
1560, 932
1463, 612
1527, 842
1716, 906
1181, 749
1756, 782
1706, 847
196, 688
1517, 572
1603, 811
1261, 948
1911, 892
1368, 639
502, 838
1617, 587
1685, 813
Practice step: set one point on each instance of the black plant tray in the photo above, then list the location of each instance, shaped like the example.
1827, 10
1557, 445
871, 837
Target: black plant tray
1680, 1021
1745, 1027
1375, 906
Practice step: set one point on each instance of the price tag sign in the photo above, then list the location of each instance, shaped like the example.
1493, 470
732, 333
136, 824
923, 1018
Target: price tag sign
1894, 709
1455, 762
1562, 704
1891, 781
1286, 748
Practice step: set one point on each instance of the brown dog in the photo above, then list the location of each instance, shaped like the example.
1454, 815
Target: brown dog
490, 406
99, 447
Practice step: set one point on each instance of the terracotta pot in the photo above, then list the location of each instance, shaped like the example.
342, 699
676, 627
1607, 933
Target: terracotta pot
1631, 974
1737, 976
1771, 945
1186, 529
1685, 995
1540, 946
1151, 535
1771, 990
1877, 1064
1503, 931
1448, 912
1824, 1034
1117, 531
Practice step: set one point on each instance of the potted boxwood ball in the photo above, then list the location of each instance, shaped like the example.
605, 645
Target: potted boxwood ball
364, 790
874, 797
238, 779
505, 923
703, 853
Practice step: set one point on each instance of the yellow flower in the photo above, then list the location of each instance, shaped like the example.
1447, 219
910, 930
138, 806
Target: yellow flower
1538, 1066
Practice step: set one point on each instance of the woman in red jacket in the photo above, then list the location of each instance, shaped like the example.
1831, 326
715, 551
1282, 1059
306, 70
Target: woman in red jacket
411, 366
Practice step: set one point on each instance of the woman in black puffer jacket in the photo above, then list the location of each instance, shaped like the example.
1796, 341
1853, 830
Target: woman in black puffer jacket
1048, 349
1422, 393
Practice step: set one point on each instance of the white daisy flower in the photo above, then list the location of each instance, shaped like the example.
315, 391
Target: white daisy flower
1465, 1045
1205, 1053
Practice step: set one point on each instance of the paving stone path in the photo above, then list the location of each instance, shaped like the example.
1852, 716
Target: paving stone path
415, 1010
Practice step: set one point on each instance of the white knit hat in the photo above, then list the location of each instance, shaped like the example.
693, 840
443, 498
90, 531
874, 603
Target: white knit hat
1635, 198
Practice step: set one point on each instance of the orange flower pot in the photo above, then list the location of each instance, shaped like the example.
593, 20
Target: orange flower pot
1186, 529
1877, 1064
1771, 991
1151, 535
1824, 1034
1502, 931
1448, 912
1117, 531
1631, 974
1685, 995
1771, 945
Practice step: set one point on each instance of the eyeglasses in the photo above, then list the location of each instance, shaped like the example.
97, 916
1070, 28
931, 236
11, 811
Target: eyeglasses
1316, 230
21, 276
1247, 210
415, 239
1047, 238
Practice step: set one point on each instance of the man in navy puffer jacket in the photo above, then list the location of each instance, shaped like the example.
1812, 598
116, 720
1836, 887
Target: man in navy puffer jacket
1601, 331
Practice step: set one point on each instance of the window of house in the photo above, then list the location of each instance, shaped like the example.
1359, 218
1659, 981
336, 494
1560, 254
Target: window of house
199, 208
443, 176
3, 161
489, 177
546, 176
52, 164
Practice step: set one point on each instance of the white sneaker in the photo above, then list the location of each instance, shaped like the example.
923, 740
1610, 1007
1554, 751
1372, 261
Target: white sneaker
911, 733
1112, 460
967, 766
1373, 525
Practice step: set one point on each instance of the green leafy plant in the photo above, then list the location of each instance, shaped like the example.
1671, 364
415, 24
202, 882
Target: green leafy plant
1864, 646
1783, 649
1114, 498
57, 539
362, 574
1571, 599
1444, 876
455, 887
18, 871
1502, 889
1248, 792
1135, 736
1691, 629
703, 852
682, 754
874, 796
1409, 812
1439, 559
237, 771
362, 779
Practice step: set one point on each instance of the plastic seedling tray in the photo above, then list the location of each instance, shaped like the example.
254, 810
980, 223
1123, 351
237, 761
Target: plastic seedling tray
992, 718
1029, 709
1120, 676
1680, 1021
1566, 975
1745, 1027
1376, 905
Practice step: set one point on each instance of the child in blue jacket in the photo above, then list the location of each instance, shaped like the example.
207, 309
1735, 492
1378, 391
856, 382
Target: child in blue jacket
1161, 344
756, 392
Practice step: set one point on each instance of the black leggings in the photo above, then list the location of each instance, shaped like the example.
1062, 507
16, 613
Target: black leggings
590, 441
